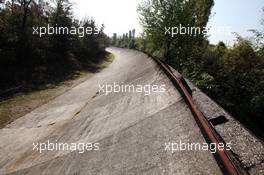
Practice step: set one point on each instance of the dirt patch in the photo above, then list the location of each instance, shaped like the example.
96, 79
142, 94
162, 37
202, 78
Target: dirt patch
23, 103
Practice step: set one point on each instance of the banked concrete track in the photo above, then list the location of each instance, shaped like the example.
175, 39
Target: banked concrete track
131, 128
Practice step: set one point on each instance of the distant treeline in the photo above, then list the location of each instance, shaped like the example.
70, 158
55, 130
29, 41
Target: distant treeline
127, 40
26, 58
232, 76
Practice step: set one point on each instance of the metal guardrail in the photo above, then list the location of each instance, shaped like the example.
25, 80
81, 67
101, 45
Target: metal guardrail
227, 164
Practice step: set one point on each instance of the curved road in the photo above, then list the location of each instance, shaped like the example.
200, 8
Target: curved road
131, 129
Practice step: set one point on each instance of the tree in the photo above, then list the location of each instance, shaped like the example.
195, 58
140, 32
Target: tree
158, 15
114, 39
29, 59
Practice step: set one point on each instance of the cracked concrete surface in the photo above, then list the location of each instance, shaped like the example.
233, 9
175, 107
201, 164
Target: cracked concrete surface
131, 128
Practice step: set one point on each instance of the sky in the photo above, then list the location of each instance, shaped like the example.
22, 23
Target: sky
118, 16
228, 16
238, 16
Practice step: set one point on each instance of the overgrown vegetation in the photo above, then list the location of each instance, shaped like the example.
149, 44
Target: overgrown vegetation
232, 76
30, 60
